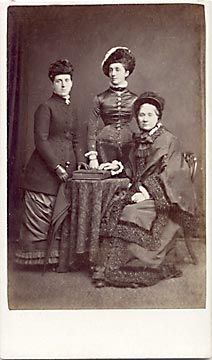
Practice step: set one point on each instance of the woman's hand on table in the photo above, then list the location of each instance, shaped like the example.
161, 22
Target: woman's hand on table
108, 166
93, 164
61, 173
115, 167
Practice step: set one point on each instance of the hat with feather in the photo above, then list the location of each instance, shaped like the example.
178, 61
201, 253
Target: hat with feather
118, 54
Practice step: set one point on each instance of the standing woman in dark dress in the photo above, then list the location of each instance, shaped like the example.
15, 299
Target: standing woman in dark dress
114, 108
57, 152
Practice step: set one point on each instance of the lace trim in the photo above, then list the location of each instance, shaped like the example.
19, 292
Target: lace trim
117, 275
150, 240
152, 183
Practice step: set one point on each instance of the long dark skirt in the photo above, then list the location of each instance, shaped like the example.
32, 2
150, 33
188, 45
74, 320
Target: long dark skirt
137, 253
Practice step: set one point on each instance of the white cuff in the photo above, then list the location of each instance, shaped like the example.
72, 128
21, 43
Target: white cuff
92, 152
144, 192
120, 169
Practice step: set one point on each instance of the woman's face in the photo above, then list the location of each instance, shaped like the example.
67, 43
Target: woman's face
62, 84
117, 73
147, 117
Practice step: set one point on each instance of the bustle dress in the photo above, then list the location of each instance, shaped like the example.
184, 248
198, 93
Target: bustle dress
57, 141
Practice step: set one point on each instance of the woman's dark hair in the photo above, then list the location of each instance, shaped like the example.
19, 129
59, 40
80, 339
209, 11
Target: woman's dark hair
62, 66
152, 98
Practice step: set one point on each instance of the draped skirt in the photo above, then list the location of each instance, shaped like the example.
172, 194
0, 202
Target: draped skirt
138, 251
32, 243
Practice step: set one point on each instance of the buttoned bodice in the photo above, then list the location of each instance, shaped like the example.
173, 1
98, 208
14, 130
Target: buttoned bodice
114, 108
57, 141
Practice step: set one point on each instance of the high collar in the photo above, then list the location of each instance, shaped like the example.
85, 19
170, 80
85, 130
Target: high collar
119, 88
64, 100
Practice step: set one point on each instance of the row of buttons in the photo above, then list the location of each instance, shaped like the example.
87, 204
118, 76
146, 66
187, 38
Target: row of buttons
119, 102
118, 124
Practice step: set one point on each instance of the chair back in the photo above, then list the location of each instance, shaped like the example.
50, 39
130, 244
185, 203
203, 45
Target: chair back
191, 160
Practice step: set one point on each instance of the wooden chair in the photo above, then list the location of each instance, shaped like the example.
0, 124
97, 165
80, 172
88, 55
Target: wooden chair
191, 160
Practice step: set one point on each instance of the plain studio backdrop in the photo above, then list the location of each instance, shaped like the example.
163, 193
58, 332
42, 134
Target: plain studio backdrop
168, 41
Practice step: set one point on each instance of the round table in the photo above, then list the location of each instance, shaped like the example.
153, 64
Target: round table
80, 231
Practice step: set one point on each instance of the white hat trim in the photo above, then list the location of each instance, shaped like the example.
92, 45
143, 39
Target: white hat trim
111, 51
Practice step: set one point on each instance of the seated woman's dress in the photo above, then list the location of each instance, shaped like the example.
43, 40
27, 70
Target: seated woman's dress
136, 238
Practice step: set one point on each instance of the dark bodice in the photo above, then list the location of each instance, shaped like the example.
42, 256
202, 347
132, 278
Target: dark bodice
57, 140
116, 106
113, 108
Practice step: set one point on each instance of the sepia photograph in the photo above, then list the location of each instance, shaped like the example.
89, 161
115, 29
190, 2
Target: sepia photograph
106, 162
106, 159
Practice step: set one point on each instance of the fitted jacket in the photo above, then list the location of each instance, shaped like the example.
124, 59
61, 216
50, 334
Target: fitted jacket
113, 108
57, 140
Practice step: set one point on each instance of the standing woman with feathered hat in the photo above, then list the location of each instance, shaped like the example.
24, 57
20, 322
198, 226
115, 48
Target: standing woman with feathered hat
114, 108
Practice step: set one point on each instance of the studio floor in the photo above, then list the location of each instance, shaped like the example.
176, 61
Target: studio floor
30, 289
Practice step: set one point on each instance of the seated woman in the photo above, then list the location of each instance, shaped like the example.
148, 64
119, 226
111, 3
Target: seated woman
138, 230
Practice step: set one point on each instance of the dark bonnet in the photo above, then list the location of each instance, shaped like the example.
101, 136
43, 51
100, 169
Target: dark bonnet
152, 98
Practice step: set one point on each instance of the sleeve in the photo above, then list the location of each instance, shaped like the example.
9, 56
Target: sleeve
176, 180
78, 136
153, 182
41, 134
93, 124
126, 172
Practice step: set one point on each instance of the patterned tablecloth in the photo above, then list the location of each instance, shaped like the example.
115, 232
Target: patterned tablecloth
80, 231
